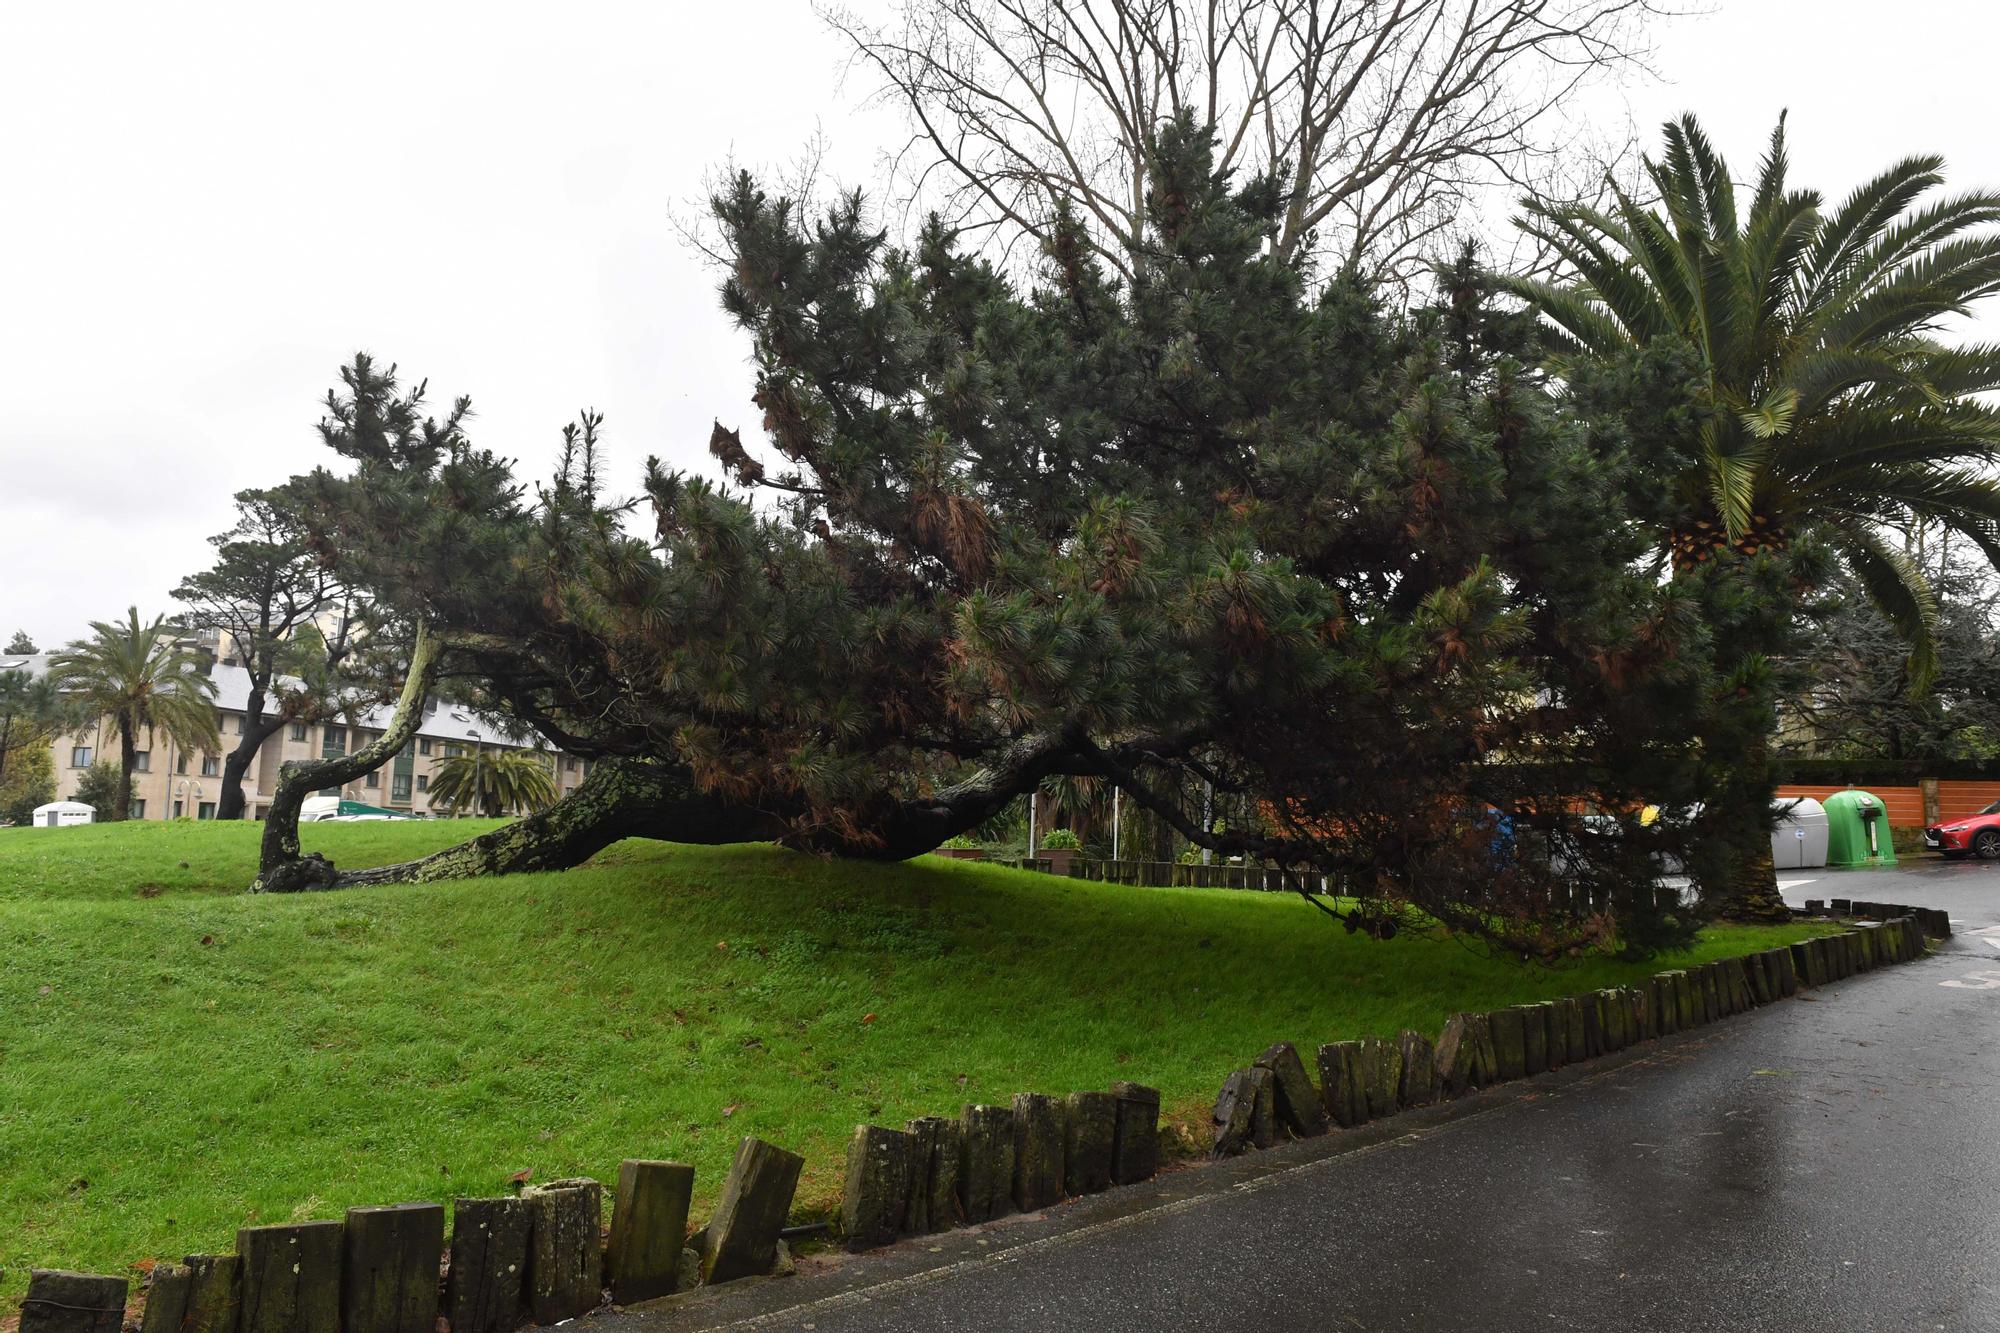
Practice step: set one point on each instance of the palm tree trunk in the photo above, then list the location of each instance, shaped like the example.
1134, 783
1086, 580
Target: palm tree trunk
128, 756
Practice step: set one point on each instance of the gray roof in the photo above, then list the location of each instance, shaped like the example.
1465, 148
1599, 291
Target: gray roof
444, 721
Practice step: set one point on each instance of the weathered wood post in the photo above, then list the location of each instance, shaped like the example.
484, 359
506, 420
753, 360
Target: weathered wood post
1090, 1137
742, 1238
489, 1265
1295, 1099
63, 1302
1038, 1151
649, 1215
986, 1164
167, 1289
291, 1277
1341, 1092
1135, 1153
565, 1255
875, 1196
389, 1280
934, 1190
215, 1293
1418, 1058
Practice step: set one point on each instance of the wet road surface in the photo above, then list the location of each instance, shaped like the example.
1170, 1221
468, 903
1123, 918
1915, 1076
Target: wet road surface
1829, 1162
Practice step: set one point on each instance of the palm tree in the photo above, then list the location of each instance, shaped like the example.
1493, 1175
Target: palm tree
144, 681
1832, 408
1829, 406
494, 782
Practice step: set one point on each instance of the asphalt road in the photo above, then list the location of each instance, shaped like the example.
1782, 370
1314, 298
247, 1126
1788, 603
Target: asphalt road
1825, 1163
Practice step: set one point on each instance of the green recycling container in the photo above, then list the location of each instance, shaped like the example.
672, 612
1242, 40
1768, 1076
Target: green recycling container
1857, 830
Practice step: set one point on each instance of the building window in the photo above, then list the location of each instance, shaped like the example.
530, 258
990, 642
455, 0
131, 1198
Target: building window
399, 787
206, 810
181, 762
177, 809
334, 741
423, 745
79, 756
298, 731
453, 751
211, 766
137, 810
569, 764
373, 780
142, 761
423, 782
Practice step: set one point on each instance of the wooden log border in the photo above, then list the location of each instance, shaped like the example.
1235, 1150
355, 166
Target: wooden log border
498, 1258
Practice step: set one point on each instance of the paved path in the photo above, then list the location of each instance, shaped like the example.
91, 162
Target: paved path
1829, 1163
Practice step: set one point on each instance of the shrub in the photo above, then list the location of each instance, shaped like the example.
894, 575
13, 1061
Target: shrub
961, 842
1061, 839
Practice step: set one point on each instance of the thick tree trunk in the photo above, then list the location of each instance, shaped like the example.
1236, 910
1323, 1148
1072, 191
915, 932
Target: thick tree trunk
620, 799
1730, 859
128, 755
280, 868
640, 798
256, 730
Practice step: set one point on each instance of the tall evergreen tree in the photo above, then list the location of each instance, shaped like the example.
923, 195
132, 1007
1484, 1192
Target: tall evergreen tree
1218, 522
282, 614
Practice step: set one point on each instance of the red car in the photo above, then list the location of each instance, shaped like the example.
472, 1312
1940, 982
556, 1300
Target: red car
1975, 835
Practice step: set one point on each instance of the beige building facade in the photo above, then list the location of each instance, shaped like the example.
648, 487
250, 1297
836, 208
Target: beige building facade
171, 783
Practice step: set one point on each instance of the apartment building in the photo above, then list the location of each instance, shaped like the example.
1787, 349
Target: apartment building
170, 783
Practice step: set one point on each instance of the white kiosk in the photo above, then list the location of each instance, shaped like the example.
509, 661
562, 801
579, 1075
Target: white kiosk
61, 814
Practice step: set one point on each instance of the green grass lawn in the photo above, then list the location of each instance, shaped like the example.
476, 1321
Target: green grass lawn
178, 1059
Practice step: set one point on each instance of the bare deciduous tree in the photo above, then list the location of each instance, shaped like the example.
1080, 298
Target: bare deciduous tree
1382, 117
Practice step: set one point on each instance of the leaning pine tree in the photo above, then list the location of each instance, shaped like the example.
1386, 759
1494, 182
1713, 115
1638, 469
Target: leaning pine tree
1217, 522
1830, 416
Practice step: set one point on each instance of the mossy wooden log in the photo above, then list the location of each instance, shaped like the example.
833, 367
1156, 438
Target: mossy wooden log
1417, 1058
291, 1277
1711, 994
649, 1224
1038, 1151
1235, 1110
59, 1301
1465, 1054
1381, 1075
1135, 1155
167, 1290
1806, 963
1297, 1101
741, 1240
986, 1164
1340, 1089
1090, 1135
875, 1196
1756, 967
1666, 1011
1555, 1034
938, 1144
389, 1275
486, 1288
565, 1252
1534, 1039
1510, 1044
1590, 1019
215, 1293
1786, 965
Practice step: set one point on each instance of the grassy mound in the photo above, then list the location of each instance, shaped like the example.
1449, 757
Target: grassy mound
178, 1059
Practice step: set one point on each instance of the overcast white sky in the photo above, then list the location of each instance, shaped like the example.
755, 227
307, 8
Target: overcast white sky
205, 209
